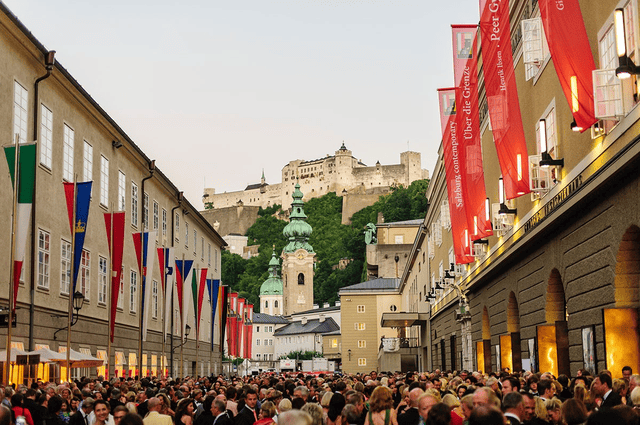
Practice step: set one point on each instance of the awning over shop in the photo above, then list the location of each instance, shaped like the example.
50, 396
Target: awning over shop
403, 319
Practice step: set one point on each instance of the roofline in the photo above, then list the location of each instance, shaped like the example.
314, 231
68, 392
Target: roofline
63, 71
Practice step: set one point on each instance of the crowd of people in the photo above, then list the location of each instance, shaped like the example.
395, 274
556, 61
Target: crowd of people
438, 398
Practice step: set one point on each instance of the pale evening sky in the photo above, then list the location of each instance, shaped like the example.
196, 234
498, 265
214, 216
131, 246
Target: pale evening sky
216, 91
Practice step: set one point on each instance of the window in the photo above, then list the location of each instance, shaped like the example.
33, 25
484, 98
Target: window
334, 343
202, 250
46, 136
275, 304
266, 304
257, 329
360, 326
65, 267
145, 211
215, 259
104, 181
164, 222
133, 295
134, 204
362, 343
43, 258
87, 162
195, 240
209, 254
154, 299
436, 232
67, 153
300, 278
270, 342
257, 342
122, 187
156, 214
362, 361
121, 294
535, 50
266, 342
258, 356
186, 234
102, 280
20, 108
445, 217
360, 309
177, 226
84, 274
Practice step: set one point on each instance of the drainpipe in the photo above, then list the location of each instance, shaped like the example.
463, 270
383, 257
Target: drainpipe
152, 169
173, 240
49, 61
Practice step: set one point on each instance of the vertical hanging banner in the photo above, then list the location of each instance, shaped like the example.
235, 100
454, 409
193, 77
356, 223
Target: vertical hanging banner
454, 174
240, 327
465, 67
502, 97
166, 276
250, 331
116, 250
571, 53
26, 179
183, 270
144, 243
223, 310
82, 201
233, 321
213, 285
198, 286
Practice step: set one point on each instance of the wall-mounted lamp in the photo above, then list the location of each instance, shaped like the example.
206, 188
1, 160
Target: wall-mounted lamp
575, 127
546, 159
503, 207
439, 286
626, 66
349, 353
430, 297
185, 212
116, 144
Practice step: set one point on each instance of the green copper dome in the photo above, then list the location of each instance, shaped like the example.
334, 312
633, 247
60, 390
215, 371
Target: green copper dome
298, 230
273, 284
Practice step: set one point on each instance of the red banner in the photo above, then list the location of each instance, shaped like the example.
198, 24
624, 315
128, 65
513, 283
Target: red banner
502, 97
239, 329
453, 170
233, 324
249, 336
115, 239
571, 53
201, 287
465, 67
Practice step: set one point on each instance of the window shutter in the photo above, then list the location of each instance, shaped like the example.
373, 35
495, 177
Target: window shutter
539, 177
607, 94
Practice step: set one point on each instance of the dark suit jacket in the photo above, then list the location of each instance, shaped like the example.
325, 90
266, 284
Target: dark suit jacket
245, 417
76, 419
512, 421
409, 417
143, 408
611, 401
224, 419
37, 412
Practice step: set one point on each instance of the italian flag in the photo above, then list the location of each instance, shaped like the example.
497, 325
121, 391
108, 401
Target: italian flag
26, 178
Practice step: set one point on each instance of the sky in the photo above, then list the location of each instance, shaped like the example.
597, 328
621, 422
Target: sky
217, 91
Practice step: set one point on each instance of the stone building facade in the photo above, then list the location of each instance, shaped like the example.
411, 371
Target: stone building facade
76, 137
333, 173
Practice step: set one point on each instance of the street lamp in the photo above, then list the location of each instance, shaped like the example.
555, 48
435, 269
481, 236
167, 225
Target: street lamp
626, 66
78, 302
187, 330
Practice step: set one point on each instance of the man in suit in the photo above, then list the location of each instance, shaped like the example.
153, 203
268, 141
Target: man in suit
602, 388
249, 414
220, 414
82, 416
206, 417
411, 415
513, 405
155, 417
143, 407
38, 412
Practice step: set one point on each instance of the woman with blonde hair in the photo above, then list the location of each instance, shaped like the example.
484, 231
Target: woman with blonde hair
324, 403
540, 414
454, 404
381, 410
315, 411
553, 407
621, 387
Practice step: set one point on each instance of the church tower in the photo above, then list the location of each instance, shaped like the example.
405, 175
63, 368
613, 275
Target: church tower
297, 260
271, 290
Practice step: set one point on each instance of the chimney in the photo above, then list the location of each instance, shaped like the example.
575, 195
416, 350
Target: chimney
315, 306
337, 304
325, 305
304, 321
321, 319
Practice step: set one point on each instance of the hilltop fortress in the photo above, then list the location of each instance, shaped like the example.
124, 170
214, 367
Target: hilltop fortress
340, 173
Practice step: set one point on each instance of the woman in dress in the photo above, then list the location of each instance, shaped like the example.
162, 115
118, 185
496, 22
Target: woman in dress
381, 410
184, 412
19, 410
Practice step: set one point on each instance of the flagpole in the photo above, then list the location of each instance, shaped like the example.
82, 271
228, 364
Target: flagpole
197, 322
16, 178
164, 305
109, 294
72, 281
182, 319
141, 295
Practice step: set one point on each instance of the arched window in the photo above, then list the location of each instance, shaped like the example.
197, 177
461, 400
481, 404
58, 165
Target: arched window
300, 278
266, 304
275, 304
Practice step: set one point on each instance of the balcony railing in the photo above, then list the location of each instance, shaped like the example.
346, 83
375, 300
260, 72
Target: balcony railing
395, 344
